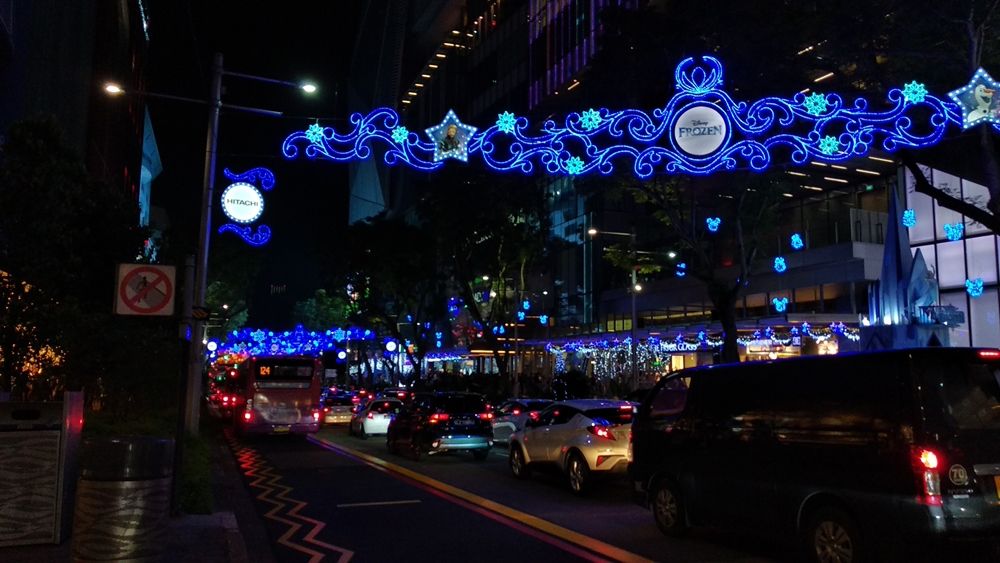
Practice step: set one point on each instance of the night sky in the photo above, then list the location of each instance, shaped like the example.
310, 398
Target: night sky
288, 41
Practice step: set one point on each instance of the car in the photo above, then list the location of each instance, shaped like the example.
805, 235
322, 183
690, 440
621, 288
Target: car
582, 438
863, 455
338, 408
374, 417
434, 423
512, 414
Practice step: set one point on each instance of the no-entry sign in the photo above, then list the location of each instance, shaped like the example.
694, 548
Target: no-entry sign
145, 289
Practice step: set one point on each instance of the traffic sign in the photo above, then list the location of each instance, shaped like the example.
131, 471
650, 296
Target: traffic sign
145, 290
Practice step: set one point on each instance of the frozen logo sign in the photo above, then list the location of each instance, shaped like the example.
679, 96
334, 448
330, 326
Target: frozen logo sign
700, 130
242, 202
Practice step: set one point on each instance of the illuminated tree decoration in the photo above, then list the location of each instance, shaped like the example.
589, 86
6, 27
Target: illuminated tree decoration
974, 287
815, 104
590, 119
914, 92
315, 133
780, 304
979, 100
506, 122
713, 223
779, 264
797, 243
700, 130
255, 176
400, 134
954, 231
909, 218
828, 145
681, 269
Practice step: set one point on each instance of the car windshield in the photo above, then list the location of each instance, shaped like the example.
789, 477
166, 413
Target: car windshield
386, 407
338, 401
610, 416
537, 405
967, 394
460, 404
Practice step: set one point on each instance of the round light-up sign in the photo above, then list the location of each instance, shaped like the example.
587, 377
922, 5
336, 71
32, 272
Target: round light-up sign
242, 202
700, 130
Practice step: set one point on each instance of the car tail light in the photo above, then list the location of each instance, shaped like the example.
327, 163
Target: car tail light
516, 412
248, 416
926, 463
315, 415
601, 431
326, 409
486, 416
225, 398
355, 399
989, 354
438, 417
533, 415
371, 415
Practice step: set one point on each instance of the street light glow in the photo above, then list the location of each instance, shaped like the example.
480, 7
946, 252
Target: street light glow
592, 231
672, 254
637, 287
309, 88
113, 89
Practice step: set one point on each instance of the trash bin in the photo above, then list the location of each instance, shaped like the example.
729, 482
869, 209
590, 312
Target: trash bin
122, 499
38, 453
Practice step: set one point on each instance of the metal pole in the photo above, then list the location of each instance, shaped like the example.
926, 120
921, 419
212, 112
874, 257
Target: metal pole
635, 365
204, 237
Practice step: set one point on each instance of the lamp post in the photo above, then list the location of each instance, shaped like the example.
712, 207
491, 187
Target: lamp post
634, 289
196, 353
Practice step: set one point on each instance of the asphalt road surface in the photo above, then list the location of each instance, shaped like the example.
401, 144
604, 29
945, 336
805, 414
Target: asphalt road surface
336, 497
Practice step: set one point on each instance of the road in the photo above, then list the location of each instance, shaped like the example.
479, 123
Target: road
336, 497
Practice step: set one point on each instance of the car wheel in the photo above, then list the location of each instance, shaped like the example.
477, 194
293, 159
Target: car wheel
578, 473
480, 455
362, 433
831, 536
518, 464
667, 509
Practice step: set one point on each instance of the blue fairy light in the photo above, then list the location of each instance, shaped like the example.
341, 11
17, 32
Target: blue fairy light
526, 305
681, 269
713, 223
520, 315
909, 218
780, 304
954, 231
779, 264
543, 320
974, 287
797, 243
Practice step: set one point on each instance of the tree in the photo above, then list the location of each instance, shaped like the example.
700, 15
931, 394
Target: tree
322, 311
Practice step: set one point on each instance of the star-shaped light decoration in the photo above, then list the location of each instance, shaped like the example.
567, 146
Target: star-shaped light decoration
779, 264
713, 223
909, 218
914, 92
974, 287
828, 145
451, 138
590, 119
400, 134
954, 231
506, 122
815, 103
979, 100
574, 165
314, 133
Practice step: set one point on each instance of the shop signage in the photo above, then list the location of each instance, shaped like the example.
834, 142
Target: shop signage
242, 202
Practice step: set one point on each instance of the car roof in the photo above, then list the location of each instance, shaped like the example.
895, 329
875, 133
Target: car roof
587, 404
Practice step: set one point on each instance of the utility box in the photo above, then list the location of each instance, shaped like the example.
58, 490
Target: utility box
38, 469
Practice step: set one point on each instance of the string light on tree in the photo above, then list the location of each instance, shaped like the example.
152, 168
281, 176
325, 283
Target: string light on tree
909, 218
713, 224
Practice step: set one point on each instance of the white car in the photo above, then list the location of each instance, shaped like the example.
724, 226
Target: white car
583, 438
374, 417
512, 415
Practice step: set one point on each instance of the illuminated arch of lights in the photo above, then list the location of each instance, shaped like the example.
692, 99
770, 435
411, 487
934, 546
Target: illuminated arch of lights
699, 131
260, 342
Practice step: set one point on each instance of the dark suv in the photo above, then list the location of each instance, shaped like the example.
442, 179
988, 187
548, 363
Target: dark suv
441, 422
852, 454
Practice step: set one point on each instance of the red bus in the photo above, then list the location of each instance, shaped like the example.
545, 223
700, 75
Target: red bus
282, 395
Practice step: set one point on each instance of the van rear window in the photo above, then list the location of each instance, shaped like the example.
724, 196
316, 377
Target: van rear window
966, 395
608, 417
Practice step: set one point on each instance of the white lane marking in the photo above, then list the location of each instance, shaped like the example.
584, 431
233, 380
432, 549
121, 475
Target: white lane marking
383, 503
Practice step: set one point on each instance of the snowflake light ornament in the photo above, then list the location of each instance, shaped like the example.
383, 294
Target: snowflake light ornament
399, 134
914, 92
574, 165
828, 145
974, 287
954, 231
314, 133
590, 119
815, 103
909, 218
506, 122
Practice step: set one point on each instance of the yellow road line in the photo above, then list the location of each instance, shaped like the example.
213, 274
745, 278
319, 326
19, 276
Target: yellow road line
555, 530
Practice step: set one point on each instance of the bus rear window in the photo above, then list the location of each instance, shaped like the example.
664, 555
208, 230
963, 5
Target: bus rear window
965, 396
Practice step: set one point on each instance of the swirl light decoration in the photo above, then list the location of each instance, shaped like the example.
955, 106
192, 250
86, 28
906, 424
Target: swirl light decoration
699, 131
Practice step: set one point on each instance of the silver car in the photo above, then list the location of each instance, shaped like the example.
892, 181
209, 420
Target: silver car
583, 438
512, 415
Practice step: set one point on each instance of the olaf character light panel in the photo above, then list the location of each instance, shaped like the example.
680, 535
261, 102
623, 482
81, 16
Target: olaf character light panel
700, 130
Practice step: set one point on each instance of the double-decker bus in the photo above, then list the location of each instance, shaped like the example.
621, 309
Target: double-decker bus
282, 395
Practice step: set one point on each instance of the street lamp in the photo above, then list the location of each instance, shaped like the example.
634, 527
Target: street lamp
196, 356
635, 288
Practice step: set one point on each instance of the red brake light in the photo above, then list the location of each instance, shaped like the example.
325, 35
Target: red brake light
925, 465
371, 415
438, 417
315, 415
625, 407
533, 415
326, 409
225, 398
486, 416
926, 459
248, 416
601, 432
989, 354
516, 412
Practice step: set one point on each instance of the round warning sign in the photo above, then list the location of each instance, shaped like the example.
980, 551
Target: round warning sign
145, 289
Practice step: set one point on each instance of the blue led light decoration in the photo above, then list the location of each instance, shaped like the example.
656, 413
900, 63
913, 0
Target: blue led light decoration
909, 218
797, 243
526, 305
780, 304
243, 203
520, 315
543, 320
713, 223
779, 264
451, 138
681, 270
700, 130
979, 100
954, 231
974, 287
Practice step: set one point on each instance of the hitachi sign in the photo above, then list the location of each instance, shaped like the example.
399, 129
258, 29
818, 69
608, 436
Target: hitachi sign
242, 202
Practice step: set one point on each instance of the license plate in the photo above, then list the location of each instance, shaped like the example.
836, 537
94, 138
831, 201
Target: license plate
996, 483
463, 423
281, 429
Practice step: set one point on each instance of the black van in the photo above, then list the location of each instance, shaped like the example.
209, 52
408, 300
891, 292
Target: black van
850, 454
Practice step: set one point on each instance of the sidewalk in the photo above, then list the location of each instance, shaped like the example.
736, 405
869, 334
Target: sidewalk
191, 538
